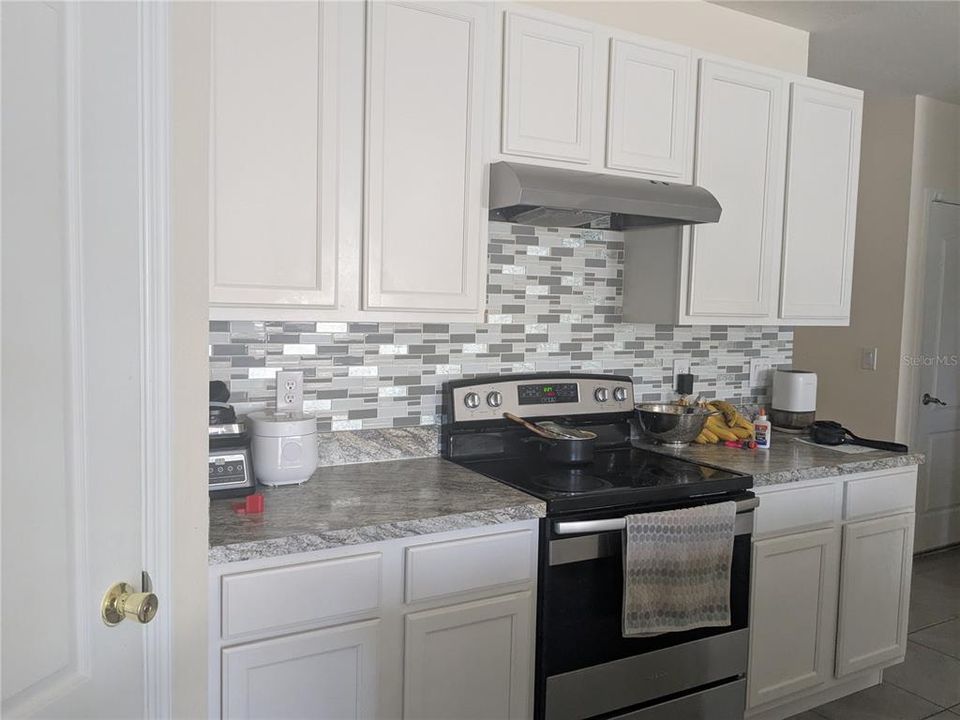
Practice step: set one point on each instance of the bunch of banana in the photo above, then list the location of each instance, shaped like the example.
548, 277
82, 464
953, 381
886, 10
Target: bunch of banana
728, 425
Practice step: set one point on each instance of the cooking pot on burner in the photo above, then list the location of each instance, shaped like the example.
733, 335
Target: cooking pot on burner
570, 451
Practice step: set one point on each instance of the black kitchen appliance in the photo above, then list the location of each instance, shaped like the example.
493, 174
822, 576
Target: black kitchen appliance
585, 668
230, 470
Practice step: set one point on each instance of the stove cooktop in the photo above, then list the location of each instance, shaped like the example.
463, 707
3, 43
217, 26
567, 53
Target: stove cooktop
618, 477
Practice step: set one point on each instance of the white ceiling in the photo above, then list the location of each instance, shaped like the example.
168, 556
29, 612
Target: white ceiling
903, 47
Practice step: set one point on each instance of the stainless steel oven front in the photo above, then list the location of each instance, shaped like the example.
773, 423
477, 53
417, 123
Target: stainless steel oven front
587, 669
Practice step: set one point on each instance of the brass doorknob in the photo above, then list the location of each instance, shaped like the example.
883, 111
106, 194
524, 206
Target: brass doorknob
123, 601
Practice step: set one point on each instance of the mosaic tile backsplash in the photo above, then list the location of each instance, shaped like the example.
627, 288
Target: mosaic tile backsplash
554, 302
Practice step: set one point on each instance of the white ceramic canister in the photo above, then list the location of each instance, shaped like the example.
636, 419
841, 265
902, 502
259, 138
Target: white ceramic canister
284, 447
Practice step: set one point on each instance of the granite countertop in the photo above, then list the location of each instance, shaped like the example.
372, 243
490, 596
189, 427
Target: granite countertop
787, 459
368, 502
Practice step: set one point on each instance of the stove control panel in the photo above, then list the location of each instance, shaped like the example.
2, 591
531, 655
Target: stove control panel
541, 397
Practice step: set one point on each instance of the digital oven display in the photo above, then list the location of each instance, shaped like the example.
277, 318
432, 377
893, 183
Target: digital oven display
547, 393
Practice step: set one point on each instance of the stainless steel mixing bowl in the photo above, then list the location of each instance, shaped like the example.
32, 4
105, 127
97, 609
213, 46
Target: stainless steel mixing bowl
672, 424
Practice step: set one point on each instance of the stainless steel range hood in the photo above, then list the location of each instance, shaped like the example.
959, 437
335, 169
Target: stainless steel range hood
553, 197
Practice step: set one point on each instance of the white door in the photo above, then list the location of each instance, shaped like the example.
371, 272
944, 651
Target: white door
793, 605
326, 674
820, 216
273, 154
424, 221
76, 358
649, 110
874, 592
471, 661
552, 90
938, 426
741, 139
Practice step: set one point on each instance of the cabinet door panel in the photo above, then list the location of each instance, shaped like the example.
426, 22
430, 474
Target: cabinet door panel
273, 154
793, 606
548, 89
648, 110
424, 220
471, 661
326, 674
874, 592
741, 138
821, 203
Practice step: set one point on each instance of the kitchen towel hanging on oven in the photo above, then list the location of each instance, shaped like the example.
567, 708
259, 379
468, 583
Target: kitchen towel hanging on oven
676, 569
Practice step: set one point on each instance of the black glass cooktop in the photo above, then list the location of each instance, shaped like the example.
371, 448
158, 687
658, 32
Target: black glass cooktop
616, 478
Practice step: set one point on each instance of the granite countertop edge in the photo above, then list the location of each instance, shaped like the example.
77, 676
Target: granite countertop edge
344, 537
783, 477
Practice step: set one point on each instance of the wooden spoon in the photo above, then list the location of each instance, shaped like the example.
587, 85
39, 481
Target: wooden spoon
535, 429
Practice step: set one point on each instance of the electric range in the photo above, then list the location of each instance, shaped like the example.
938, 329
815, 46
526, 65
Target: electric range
585, 668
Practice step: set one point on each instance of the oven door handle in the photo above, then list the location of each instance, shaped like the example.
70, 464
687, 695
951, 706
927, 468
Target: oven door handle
574, 527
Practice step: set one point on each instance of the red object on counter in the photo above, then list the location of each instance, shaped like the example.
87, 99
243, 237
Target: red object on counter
253, 505
741, 444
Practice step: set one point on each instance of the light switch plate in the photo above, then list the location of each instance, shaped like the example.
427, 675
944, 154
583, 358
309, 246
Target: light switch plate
681, 365
868, 358
760, 371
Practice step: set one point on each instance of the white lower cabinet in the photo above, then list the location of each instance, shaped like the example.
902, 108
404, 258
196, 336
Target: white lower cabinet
328, 674
794, 606
376, 643
469, 661
830, 588
874, 592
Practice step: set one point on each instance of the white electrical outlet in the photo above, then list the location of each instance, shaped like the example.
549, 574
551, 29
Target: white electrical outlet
290, 391
681, 366
868, 358
760, 372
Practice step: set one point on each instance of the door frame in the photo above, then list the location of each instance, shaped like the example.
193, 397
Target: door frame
156, 348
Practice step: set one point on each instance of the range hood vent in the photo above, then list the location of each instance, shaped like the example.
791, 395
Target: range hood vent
554, 197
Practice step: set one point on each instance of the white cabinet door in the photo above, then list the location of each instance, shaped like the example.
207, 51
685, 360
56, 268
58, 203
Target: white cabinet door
874, 592
741, 140
470, 661
552, 76
820, 217
424, 234
325, 674
792, 614
273, 154
648, 110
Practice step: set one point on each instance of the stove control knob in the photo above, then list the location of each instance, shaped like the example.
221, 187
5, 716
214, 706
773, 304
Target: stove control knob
619, 394
601, 394
494, 398
471, 400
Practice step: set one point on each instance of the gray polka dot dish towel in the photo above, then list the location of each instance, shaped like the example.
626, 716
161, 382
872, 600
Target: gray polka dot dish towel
676, 569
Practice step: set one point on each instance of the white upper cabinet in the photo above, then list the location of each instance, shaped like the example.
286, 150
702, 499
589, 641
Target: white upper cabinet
741, 141
821, 203
649, 110
553, 75
273, 154
424, 194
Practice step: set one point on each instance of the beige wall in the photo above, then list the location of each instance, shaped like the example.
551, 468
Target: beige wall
700, 25
189, 84
866, 401
935, 167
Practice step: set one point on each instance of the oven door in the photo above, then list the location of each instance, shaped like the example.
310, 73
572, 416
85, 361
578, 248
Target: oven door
586, 668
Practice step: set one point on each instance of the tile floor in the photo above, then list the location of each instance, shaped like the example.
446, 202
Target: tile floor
927, 684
